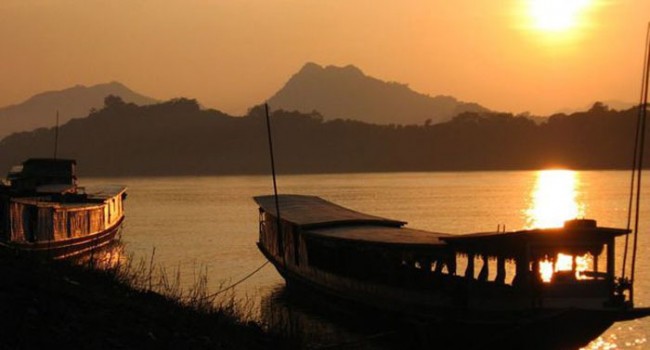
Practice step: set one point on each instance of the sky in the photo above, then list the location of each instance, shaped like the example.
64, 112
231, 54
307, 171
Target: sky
536, 56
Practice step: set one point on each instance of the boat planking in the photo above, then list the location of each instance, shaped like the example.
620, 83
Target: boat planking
489, 284
43, 212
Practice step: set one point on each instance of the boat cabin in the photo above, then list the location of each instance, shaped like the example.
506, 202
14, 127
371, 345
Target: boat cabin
573, 261
37, 172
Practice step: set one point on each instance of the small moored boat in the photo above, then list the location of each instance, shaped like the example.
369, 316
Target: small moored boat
44, 212
554, 287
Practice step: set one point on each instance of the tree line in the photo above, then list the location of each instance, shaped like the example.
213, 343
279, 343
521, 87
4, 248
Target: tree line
178, 137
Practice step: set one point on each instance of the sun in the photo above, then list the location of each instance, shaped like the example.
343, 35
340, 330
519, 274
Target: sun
556, 16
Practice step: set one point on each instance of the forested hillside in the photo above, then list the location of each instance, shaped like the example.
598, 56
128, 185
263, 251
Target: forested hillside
179, 138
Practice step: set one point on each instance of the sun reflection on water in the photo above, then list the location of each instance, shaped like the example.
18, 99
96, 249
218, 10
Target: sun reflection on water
554, 199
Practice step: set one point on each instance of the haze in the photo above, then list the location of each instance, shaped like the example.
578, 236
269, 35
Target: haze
506, 55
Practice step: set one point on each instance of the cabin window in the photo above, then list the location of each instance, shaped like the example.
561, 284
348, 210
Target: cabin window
568, 268
486, 269
469, 266
438, 266
506, 275
31, 218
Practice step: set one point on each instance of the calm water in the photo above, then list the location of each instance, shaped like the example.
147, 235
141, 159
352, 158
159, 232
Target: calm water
197, 223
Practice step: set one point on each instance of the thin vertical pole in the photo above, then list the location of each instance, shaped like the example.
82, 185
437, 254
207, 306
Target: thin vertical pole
275, 185
635, 155
644, 112
56, 135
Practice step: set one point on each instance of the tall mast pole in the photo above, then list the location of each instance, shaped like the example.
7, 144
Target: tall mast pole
275, 185
643, 116
635, 157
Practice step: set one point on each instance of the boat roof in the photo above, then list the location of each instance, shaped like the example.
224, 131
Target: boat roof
576, 236
47, 202
312, 212
383, 235
104, 191
569, 231
322, 219
94, 195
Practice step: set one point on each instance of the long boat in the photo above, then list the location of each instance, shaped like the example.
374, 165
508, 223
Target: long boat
534, 288
44, 212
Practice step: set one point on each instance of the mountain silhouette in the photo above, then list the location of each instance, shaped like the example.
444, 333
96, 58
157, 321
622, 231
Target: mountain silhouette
40, 110
347, 93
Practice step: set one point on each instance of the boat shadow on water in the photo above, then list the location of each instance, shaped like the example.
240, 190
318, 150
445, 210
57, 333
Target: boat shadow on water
313, 320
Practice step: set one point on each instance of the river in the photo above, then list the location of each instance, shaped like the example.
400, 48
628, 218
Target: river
209, 224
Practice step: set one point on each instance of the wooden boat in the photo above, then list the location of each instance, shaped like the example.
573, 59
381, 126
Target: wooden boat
43, 211
492, 286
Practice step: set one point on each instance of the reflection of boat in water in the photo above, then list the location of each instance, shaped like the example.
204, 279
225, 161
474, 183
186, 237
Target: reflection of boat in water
505, 287
308, 325
44, 212
325, 323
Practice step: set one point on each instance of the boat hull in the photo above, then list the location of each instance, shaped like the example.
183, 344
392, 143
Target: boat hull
459, 327
68, 248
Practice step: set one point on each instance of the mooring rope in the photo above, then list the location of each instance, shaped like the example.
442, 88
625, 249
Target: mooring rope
236, 283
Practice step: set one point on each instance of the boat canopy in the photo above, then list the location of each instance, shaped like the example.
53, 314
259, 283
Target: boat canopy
321, 219
577, 237
313, 212
381, 235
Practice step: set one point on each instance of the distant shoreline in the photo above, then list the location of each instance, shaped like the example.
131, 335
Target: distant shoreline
94, 176
178, 138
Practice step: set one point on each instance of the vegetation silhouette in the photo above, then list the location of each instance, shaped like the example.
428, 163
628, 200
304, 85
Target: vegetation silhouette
177, 137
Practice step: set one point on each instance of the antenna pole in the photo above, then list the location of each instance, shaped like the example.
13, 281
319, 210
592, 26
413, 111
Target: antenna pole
275, 185
56, 134
643, 116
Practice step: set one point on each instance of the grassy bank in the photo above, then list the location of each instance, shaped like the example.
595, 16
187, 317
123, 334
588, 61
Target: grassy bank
57, 304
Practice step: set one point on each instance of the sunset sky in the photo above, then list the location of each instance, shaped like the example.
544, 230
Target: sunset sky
507, 55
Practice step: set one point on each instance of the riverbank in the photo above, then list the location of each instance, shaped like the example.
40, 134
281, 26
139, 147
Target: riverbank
57, 304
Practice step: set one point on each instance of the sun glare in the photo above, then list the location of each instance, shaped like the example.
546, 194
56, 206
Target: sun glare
556, 15
553, 199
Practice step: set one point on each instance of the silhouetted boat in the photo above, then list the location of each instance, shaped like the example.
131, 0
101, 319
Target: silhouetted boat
505, 287
44, 212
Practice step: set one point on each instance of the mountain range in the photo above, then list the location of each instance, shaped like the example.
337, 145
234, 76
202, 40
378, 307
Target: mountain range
40, 110
333, 92
347, 93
